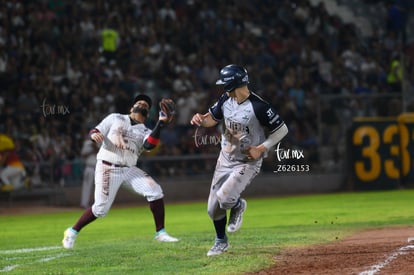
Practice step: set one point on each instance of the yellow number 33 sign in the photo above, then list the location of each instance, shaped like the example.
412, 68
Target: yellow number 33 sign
380, 152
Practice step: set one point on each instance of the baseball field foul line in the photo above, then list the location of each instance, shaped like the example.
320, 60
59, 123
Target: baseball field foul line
47, 259
9, 268
376, 268
26, 250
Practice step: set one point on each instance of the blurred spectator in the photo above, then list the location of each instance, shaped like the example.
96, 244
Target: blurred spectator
396, 19
187, 103
110, 41
394, 77
12, 171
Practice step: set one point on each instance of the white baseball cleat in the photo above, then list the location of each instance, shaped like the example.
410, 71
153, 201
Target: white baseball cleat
163, 236
219, 247
236, 217
69, 237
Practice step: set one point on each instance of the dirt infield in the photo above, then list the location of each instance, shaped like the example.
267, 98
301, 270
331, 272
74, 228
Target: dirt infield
375, 251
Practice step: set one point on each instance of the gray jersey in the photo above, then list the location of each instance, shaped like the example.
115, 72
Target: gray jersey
244, 123
118, 126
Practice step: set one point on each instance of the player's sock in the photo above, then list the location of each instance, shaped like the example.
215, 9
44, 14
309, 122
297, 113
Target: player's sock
220, 226
73, 230
158, 211
84, 220
160, 231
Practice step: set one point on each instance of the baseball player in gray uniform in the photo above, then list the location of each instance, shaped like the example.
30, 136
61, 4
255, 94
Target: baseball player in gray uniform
123, 137
243, 146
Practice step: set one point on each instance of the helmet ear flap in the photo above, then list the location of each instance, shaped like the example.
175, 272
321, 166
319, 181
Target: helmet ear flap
229, 87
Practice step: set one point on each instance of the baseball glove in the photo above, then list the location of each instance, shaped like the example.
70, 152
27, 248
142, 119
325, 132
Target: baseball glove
167, 109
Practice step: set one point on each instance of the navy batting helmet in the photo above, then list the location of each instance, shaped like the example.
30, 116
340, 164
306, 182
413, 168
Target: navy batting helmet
232, 77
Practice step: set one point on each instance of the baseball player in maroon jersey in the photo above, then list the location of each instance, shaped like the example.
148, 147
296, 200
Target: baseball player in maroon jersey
243, 146
122, 138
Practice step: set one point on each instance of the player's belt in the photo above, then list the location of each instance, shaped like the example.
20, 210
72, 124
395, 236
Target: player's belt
112, 164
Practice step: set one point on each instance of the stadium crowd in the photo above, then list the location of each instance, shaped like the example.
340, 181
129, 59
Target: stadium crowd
65, 64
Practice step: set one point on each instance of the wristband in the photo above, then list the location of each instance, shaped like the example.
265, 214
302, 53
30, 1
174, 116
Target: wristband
153, 140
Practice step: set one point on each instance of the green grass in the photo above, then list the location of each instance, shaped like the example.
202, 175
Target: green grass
122, 242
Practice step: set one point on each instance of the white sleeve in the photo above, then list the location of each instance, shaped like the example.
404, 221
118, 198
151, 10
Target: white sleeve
275, 137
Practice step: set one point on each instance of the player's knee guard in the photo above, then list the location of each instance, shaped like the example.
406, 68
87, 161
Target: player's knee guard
215, 214
155, 196
99, 211
226, 201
